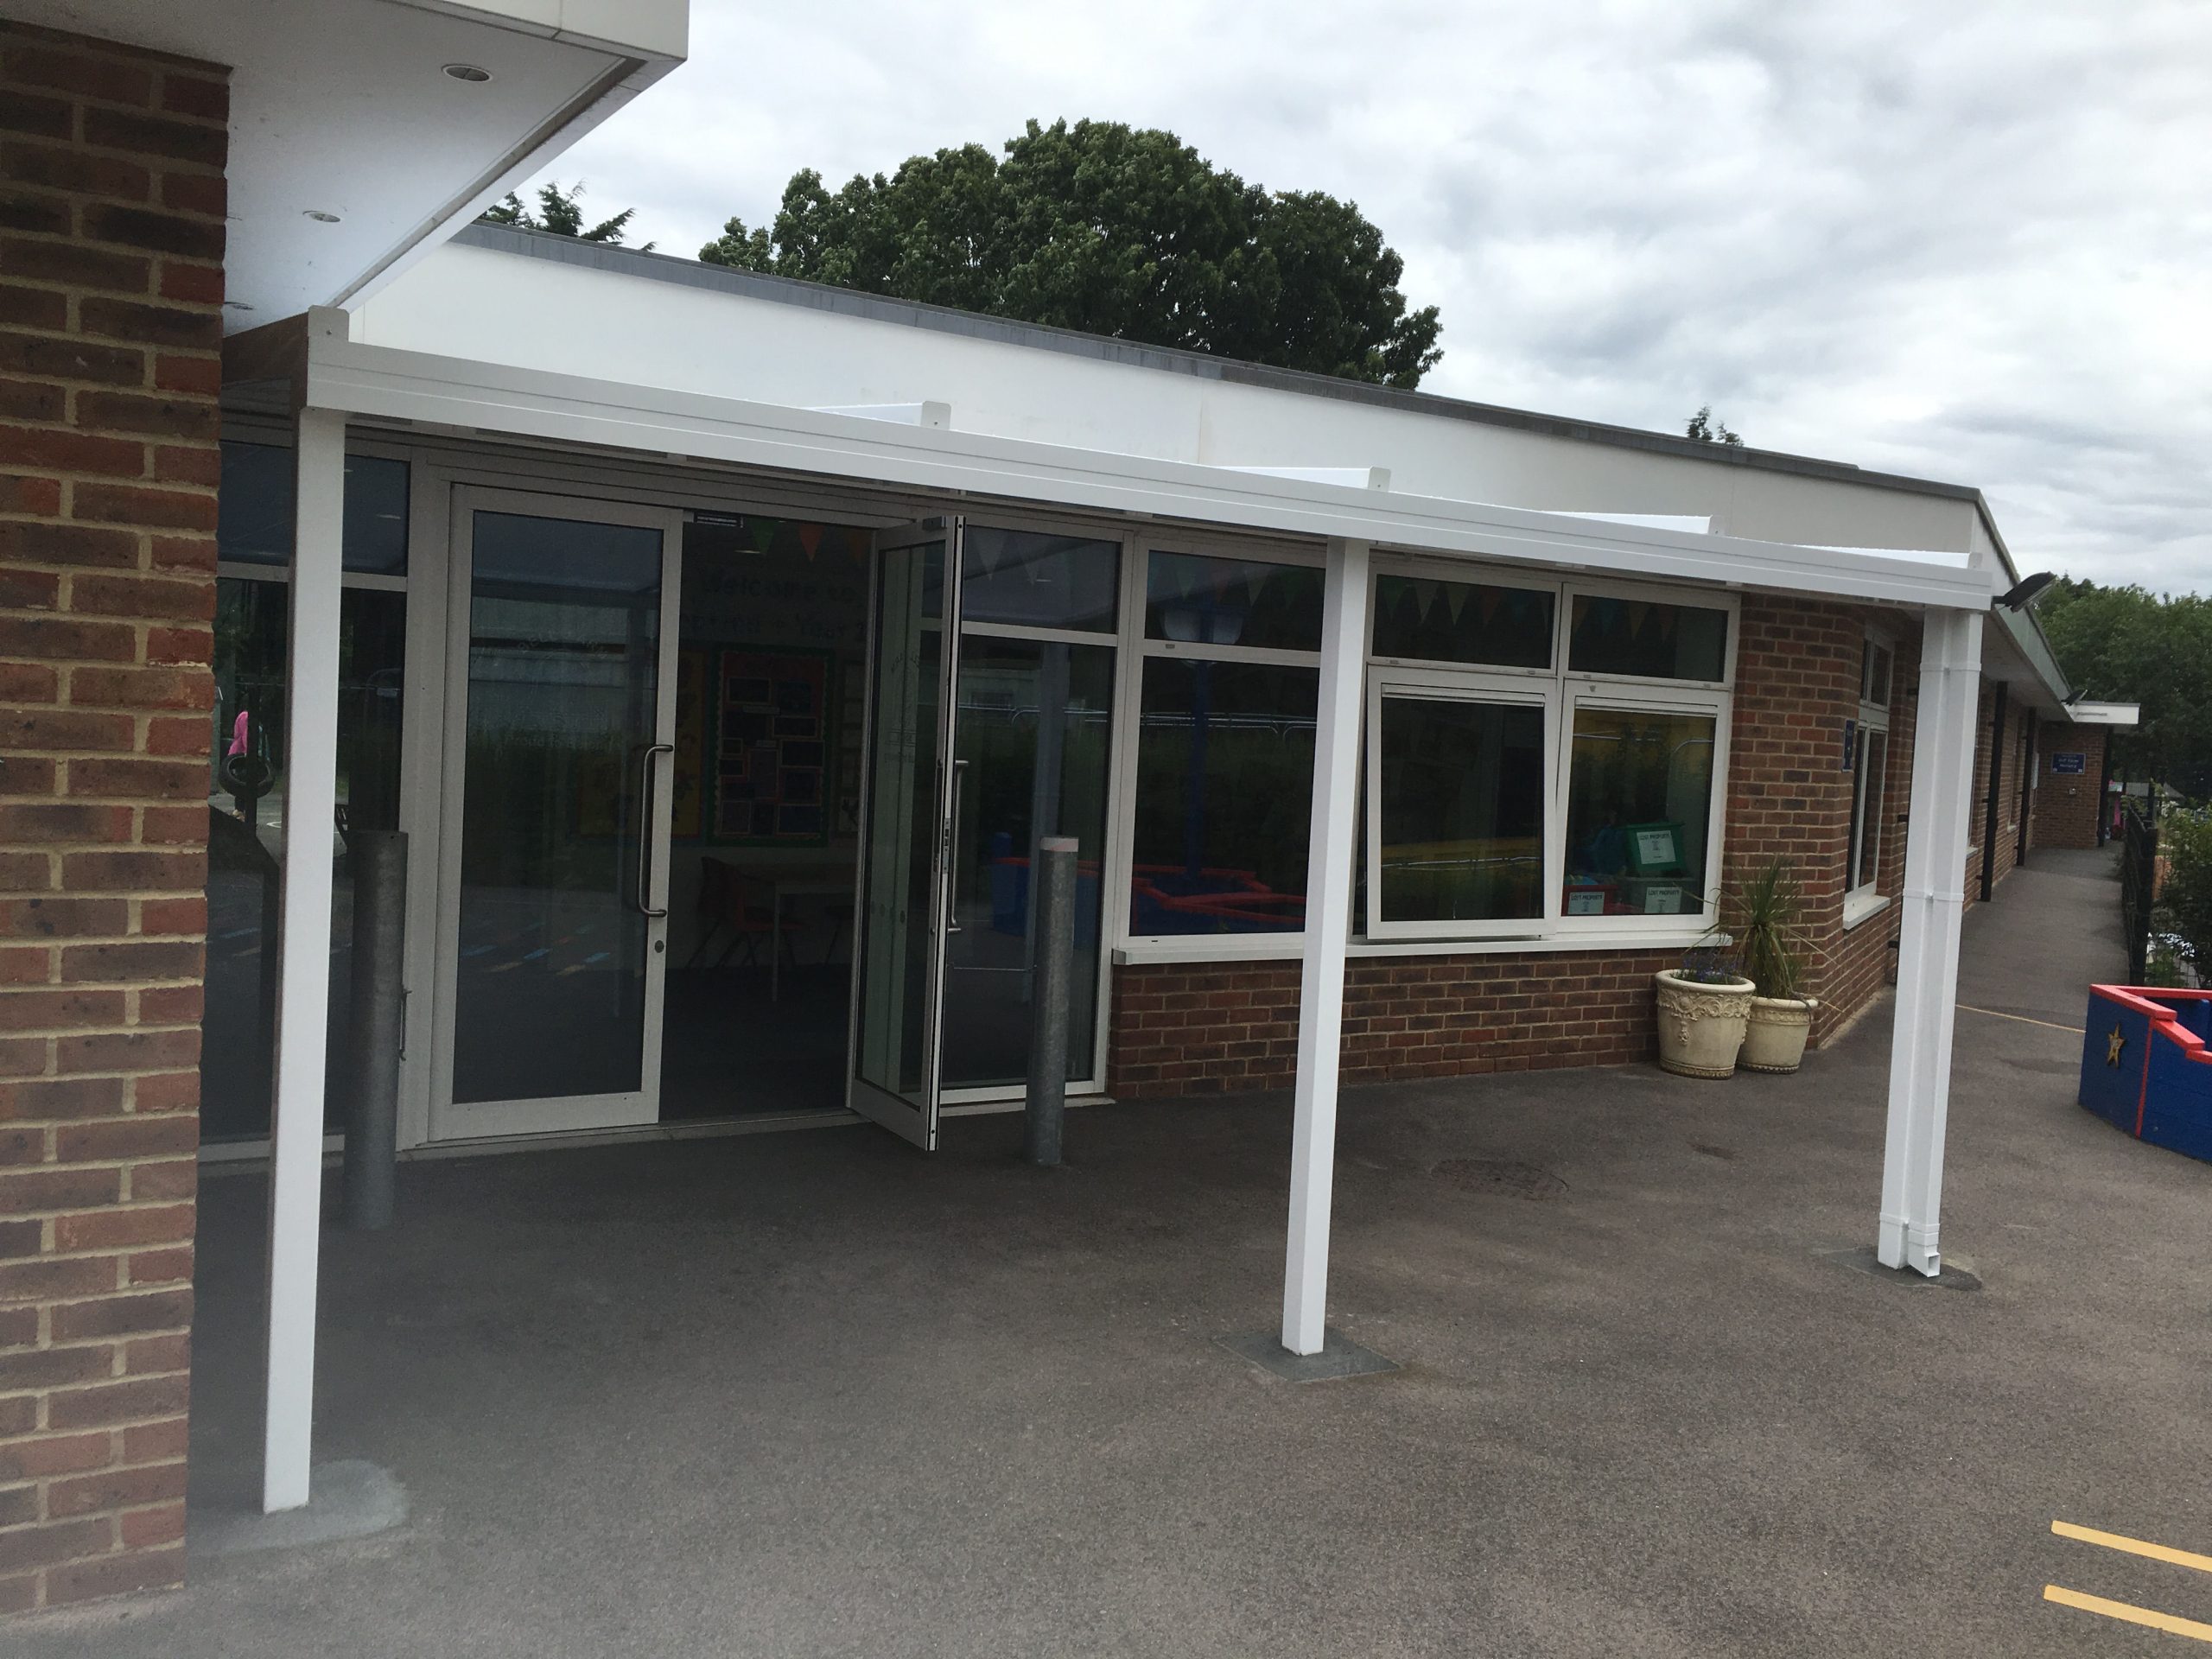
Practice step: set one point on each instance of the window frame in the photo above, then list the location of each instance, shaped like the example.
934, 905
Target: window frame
1514, 688
1138, 648
1468, 576
1626, 696
1728, 603
1863, 898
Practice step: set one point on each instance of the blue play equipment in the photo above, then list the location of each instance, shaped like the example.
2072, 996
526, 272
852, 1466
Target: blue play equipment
2146, 1066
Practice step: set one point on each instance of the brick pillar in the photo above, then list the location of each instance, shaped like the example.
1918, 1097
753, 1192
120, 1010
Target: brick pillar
111, 198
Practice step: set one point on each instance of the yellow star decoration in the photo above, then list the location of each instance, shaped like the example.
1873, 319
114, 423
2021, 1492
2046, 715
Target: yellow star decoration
2113, 1043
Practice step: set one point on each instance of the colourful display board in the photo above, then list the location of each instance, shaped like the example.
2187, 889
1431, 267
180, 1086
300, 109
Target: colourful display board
774, 747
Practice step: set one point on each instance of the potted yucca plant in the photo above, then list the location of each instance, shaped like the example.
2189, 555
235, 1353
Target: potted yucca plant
1765, 915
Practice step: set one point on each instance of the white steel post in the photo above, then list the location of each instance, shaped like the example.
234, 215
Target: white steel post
1328, 918
1928, 951
303, 988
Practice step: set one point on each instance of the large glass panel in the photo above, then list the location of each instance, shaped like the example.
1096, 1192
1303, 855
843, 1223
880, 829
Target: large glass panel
1224, 795
1210, 602
245, 829
1462, 622
1033, 734
563, 649
1044, 581
1639, 799
1461, 823
254, 519
1639, 636
899, 841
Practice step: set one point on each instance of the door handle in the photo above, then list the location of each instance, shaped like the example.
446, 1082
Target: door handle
646, 772
952, 851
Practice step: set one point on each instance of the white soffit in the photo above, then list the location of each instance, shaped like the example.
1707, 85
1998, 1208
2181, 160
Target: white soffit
343, 107
453, 392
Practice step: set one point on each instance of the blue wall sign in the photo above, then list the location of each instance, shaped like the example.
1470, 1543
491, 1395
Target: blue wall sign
2075, 764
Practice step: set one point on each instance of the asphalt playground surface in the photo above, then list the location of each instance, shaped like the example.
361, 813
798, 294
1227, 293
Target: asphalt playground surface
813, 1394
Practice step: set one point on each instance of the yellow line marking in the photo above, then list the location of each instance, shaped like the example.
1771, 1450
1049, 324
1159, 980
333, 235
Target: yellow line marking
1998, 1013
2132, 1546
2166, 1622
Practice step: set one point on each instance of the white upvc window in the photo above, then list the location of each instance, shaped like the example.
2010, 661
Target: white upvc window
1545, 760
1588, 723
1870, 780
1217, 787
1461, 809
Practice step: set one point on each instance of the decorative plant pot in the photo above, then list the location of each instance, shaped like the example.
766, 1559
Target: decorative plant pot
1701, 1023
1774, 1040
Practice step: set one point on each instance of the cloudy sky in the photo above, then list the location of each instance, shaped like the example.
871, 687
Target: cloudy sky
1970, 241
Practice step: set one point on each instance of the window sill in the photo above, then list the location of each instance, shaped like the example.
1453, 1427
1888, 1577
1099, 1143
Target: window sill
1857, 907
1292, 947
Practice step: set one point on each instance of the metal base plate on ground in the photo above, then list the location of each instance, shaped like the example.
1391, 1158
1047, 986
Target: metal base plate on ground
1339, 1356
1862, 1260
348, 1499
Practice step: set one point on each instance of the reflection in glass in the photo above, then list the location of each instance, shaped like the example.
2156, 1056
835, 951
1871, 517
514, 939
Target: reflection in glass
254, 514
899, 837
1462, 622
1636, 636
1042, 582
564, 631
245, 829
1224, 793
1639, 799
1462, 810
1208, 601
1032, 729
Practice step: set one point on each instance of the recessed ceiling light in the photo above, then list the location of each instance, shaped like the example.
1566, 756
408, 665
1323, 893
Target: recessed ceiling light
468, 72
322, 218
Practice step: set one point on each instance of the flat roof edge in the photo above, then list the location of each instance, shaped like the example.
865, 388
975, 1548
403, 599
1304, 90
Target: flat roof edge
844, 301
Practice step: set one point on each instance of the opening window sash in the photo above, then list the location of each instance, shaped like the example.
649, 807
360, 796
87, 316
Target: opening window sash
1862, 877
1461, 838
1618, 876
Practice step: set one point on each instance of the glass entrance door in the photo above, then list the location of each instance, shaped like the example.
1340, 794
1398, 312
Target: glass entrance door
909, 801
553, 890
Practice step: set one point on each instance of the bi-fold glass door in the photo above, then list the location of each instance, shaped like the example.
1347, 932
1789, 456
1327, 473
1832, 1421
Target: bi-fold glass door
909, 801
553, 885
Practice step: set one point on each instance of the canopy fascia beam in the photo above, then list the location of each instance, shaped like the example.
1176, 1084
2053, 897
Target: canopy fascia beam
388, 383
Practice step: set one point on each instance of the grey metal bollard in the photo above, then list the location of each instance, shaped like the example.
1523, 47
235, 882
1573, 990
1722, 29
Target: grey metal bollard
379, 861
1052, 895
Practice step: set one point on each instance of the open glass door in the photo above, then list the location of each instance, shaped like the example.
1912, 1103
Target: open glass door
554, 884
908, 805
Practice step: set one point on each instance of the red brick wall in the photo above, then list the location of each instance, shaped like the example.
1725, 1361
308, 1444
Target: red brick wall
112, 195
1220, 1026
2066, 805
1203, 1027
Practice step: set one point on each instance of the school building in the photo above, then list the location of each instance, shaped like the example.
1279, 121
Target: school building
725, 645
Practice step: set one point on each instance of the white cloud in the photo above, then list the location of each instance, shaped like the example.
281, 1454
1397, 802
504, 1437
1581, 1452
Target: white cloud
1972, 241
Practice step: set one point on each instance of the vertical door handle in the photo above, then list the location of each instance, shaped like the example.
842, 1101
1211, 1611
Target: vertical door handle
646, 774
952, 851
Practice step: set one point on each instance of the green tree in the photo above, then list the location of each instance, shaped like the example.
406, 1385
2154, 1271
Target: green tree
560, 211
2128, 644
1112, 230
1706, 429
